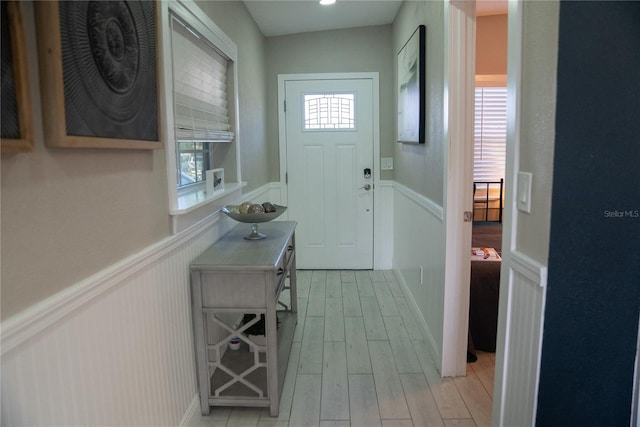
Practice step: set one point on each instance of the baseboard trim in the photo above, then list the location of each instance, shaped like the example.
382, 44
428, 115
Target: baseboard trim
192, 412
416, 311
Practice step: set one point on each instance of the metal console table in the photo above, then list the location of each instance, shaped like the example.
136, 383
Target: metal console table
236, 276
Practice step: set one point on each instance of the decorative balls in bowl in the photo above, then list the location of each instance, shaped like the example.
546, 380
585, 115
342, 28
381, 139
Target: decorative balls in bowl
254, 212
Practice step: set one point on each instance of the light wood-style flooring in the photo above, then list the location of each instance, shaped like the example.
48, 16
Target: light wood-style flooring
359, 358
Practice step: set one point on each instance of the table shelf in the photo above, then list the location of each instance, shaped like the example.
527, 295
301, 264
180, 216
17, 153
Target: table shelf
243, 359
233, 277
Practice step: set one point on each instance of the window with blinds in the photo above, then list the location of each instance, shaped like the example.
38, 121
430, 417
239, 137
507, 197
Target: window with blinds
490, 133
201, 114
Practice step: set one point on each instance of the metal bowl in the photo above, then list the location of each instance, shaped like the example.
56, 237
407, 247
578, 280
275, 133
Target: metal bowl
254, 218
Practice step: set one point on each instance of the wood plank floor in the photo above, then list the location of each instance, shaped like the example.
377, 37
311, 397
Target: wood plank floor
359, 359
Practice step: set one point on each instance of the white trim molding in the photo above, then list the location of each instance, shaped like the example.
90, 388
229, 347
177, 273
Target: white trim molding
504, 372
435, 347
275, 192
36, 319
187, 210
419, 260
530, 268
521, 346
125, 330
459, 49
427, 204
192, 413
383, 225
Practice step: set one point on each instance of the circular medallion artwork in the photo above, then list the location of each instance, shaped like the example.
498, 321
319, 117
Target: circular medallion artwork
114, 43
109, 68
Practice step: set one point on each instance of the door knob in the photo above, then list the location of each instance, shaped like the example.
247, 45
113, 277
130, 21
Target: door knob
366, 187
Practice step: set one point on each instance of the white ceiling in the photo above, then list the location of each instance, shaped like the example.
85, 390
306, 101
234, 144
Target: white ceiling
277, 18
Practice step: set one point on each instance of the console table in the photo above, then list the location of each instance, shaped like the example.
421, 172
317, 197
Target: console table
233, 277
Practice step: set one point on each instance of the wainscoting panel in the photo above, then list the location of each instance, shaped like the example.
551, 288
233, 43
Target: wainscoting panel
383, 218
383, 223
523, 341
115, 349
419, 259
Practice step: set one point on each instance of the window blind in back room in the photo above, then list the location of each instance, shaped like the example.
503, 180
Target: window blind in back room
490, 133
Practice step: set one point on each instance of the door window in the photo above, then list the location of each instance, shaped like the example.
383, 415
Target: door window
327, 111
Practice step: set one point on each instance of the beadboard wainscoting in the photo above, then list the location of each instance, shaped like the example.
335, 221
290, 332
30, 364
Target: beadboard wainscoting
520, 351
419, 259
383, 223
116, 348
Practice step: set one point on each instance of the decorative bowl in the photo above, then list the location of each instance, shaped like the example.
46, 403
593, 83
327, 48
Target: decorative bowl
254, 218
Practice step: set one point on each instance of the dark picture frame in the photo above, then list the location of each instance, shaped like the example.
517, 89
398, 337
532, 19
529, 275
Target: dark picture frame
17, 122
411, 89
99, 74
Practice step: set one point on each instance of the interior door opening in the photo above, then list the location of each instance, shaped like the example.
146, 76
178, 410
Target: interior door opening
490, 135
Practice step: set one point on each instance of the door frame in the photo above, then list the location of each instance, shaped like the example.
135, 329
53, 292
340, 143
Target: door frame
510, 219
282, 144
460, 26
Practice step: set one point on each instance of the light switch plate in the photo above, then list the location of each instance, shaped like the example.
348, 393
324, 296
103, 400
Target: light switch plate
386, 163
524, 191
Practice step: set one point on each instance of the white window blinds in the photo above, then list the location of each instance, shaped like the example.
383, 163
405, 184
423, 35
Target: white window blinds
490, 133
200, 87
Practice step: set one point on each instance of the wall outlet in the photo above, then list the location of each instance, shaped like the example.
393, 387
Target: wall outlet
386, 163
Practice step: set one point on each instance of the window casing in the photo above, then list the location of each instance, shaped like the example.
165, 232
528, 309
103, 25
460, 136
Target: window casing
200, 101
191, 204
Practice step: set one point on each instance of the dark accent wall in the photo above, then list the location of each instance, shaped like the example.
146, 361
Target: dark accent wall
593, 294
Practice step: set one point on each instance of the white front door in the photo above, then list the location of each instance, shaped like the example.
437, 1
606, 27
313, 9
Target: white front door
329, 163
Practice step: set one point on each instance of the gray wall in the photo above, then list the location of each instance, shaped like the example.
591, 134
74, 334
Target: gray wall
67, 214
537, 129
236, 22
365, 49
421, 167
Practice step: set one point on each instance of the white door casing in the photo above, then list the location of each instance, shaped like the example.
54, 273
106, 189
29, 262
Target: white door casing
460, 78
326, 187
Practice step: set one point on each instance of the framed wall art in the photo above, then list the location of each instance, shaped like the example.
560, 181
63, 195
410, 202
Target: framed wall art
411, 89
16, 133
215, 181
98, 73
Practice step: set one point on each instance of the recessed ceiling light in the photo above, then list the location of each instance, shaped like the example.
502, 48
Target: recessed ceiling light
327, 2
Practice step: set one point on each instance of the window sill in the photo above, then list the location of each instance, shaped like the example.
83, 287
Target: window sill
194, 198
